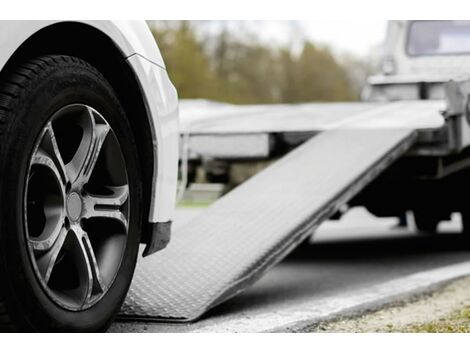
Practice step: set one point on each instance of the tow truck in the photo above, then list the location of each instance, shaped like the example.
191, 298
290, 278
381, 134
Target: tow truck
404, 148
420, 59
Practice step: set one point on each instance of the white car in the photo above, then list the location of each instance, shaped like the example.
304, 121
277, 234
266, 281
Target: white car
88, 153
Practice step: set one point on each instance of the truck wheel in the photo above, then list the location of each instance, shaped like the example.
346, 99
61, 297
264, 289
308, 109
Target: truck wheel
70, 188
465, 214
426, 221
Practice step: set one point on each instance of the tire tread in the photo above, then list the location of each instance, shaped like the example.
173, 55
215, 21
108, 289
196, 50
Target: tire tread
10, 91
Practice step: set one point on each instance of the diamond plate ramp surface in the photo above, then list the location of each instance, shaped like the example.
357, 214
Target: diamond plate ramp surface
232, 243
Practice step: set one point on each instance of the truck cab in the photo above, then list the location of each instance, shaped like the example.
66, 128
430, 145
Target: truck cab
418, 57
425, 60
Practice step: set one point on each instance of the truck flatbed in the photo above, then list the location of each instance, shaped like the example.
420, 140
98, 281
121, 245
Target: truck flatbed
227, 131
205, 117
234, 241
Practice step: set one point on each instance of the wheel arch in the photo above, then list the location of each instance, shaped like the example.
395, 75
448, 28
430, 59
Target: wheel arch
92, 45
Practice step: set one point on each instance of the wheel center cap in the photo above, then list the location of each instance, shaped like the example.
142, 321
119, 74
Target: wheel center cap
74, 206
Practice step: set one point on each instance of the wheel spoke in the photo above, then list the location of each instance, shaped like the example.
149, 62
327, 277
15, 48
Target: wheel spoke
107, 206
96, 283
82, 265
101, 131
48, 260
41, 157
49, 144
80, 168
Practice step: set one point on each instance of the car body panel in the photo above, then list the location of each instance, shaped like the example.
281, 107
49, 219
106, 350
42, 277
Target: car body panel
157, 89
129, 36
139, 49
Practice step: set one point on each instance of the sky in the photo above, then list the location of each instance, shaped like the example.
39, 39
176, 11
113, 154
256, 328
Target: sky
354, 37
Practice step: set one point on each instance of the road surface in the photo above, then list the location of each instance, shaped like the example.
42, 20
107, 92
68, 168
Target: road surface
354, 264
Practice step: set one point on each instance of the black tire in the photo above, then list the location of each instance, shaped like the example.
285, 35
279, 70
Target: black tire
466, 223
29, 96
426, 221
465, 214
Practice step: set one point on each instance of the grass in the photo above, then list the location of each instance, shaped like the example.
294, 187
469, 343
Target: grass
194, 204
446, 310
457, 322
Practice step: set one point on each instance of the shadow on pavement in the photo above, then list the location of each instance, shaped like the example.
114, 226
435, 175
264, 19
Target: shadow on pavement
375, 248
325, 269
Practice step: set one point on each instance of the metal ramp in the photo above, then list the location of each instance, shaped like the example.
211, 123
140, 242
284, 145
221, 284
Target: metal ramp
232, 243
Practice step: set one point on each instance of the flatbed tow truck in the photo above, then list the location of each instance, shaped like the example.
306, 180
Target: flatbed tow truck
405, 148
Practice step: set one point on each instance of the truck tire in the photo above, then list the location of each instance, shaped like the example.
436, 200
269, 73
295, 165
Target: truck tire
426, 221
71, 195
465, 214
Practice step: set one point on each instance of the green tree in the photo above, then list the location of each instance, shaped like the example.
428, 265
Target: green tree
220, 67
288, 75
246, 73
320, 77
186, 61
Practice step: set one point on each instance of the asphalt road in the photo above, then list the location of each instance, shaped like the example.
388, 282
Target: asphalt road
350, 263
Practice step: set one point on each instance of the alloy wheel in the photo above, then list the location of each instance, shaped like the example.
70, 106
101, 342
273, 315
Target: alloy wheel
76, 207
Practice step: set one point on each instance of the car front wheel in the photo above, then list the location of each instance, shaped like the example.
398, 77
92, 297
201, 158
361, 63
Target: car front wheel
70, 191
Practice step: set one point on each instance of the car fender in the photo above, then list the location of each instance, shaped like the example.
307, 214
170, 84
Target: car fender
139, 49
